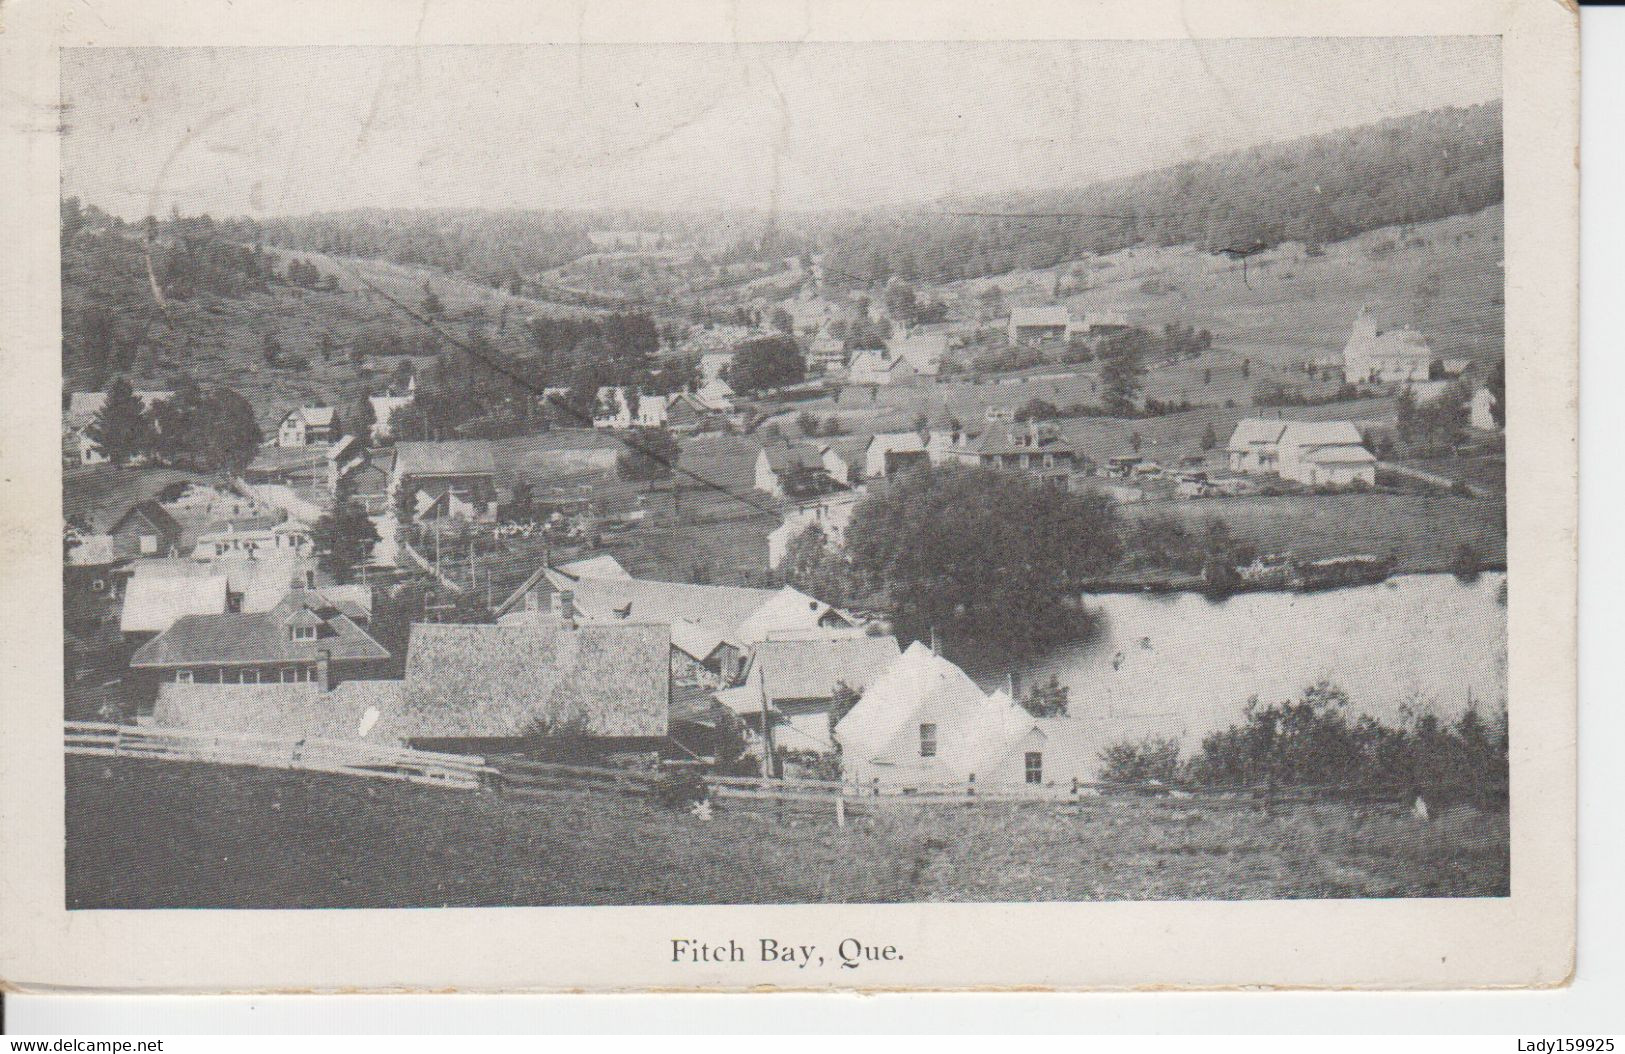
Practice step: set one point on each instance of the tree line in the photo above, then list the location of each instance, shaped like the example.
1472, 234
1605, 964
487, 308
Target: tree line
1315, 190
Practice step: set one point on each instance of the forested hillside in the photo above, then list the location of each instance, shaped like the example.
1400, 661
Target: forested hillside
1315, 190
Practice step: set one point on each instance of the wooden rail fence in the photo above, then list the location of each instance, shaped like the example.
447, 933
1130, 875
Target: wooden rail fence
309, 755
507, 773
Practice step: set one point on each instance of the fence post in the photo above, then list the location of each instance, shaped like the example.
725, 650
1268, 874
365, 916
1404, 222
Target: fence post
840, 810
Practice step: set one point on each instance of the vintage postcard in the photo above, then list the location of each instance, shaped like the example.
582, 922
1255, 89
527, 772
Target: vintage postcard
764, 495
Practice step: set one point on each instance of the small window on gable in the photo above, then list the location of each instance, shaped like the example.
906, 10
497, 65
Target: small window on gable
303, 632
928, 740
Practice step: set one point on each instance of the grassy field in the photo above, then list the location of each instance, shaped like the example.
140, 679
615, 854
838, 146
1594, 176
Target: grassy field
1422, 531
225, 837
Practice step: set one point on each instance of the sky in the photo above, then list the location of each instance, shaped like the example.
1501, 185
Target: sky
277, 131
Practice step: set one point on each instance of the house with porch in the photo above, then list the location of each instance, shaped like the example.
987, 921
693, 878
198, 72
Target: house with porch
310, 635
889, 452
1038, 450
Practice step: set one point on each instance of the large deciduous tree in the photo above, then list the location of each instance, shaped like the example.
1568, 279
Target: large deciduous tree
982, 554
767, 362
650, 454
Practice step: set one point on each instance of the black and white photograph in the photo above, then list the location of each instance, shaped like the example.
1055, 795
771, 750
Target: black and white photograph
784, 474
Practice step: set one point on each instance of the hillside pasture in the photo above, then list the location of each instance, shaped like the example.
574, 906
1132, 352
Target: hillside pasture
219, 836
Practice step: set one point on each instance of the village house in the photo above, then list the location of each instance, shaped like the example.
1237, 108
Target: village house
686, 413
385, 405
796, 678
1314, 453
888, 452
716, 395
1036, 449
1326, 453
924, 723
612, 409
1035, 326
310, 635
831, 514
880, 367
146, 529
81, 413
948, 446
1481, 411
453, 479
1255, 446
251, 536
307, 426
713, 628
787, 470
922, 351
651, 411
714, 364
826, 354
840, 462
1395, 356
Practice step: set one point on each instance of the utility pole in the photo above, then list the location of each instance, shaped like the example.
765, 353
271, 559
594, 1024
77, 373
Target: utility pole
767, 730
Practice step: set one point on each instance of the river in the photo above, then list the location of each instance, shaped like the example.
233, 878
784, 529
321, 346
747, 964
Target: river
1177, 664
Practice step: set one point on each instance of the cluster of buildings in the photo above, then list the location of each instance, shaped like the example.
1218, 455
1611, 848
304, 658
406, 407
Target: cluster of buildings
617, 663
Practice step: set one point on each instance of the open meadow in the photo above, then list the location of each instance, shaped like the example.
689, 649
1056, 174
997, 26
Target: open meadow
228, 837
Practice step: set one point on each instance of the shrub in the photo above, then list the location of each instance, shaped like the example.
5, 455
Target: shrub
1142, 762
680, 789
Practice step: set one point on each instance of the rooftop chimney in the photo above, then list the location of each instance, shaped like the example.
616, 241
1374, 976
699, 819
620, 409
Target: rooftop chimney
564, 605
324, 669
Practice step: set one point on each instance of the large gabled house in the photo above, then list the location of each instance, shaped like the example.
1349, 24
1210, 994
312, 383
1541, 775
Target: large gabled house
880, 367
890, 452
924, 723
309, 635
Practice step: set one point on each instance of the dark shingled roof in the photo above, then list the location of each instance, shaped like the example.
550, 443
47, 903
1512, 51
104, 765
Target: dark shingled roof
241, 638
481, 680
787, 458
808, 669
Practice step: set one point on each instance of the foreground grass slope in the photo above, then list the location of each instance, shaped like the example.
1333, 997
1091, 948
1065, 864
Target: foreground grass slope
220, 836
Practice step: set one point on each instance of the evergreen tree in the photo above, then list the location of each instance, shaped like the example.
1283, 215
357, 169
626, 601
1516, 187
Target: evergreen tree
122, 428
344, 538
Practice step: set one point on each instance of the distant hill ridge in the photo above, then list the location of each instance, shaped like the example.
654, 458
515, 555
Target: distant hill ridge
1317, 189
